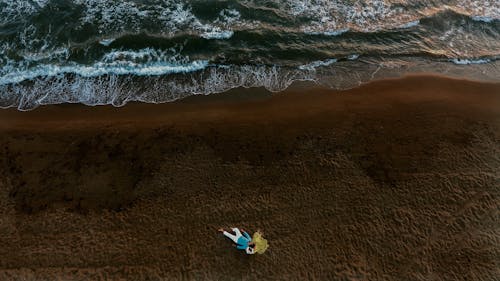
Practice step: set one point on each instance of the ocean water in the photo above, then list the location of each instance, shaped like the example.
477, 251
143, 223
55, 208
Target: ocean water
114, 51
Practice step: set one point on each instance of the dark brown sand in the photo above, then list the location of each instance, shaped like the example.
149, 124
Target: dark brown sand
395, 180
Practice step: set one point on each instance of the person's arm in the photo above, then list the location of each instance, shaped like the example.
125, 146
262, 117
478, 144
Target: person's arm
240, 247
247, 236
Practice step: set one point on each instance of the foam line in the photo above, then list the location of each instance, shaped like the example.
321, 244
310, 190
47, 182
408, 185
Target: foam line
100, 69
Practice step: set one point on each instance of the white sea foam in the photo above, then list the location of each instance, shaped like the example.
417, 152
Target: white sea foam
483, 18
458, 41
470, 61
410, 24
332, 15
12, 10
315, 64
106, 41
58, 54
353, 57
218, 34
229, 16
111, 16
479, 10
99, 69
142, 55
174, 16
118, 90
375, 15
335, 32
144, 62
327, 32
222, 27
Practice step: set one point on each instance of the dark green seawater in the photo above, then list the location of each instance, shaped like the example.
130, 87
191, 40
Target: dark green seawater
110, 52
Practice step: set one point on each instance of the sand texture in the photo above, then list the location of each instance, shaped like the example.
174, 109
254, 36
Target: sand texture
395, 180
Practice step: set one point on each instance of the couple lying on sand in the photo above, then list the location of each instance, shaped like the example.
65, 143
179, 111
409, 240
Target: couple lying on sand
251, 245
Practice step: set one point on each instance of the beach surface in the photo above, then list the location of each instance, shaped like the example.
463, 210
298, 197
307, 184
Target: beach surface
394, 180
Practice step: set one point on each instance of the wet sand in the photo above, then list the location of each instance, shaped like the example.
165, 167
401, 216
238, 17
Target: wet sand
395, 180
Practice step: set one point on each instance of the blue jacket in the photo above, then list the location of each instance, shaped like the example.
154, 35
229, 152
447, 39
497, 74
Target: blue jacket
243, 241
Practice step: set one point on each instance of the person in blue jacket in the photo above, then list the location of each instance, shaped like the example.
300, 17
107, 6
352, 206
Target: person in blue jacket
242, 241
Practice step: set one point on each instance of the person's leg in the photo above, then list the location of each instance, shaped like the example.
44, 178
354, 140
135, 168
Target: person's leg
231, 236
237, 231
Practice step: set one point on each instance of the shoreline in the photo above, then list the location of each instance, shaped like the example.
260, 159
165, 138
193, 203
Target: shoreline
232, 100
393, 180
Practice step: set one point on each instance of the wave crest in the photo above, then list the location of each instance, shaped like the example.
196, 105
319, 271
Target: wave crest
120, 89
